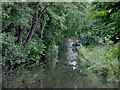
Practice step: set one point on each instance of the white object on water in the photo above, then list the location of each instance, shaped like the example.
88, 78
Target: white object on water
73, 63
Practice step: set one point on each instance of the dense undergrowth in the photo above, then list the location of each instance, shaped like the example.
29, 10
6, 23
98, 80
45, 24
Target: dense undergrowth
14, 54
102, 60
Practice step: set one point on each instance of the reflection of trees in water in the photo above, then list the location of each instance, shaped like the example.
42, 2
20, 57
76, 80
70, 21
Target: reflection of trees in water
64, 76
63, 49
69, 72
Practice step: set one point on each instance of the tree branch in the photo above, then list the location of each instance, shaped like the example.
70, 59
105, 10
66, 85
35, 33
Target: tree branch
42, 29
44, 9
35, 22
33, 27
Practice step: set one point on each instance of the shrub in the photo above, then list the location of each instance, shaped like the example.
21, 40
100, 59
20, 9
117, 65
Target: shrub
102, 60
13, 54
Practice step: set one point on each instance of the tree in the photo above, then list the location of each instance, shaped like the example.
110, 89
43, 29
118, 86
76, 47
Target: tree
35, 21
108, 18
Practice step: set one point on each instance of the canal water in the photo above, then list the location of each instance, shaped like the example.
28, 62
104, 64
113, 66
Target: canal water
68, 73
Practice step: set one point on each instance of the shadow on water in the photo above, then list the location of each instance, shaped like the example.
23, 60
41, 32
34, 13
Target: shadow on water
68, 73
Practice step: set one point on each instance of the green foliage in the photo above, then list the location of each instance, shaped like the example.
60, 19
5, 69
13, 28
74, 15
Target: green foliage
23, 13
29, 75
106, 18
102, 60
11, 53
52, 56
113, 64
35, 51
85, 22
100, 15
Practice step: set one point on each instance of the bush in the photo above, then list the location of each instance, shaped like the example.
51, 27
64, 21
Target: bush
13, 54
102, 60
35, 51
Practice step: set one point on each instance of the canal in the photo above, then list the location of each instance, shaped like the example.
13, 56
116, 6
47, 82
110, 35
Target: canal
69, 72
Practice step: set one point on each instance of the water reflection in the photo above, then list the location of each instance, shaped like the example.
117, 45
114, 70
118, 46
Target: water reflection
68, 73
73, 54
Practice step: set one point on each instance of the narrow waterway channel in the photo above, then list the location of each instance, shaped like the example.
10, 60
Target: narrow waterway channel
68, 73
71, 74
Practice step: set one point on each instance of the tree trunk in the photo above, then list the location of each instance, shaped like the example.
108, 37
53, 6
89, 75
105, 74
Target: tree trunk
22, 4
25, 82
33, 27
35, 23
41, 83
42, 29
20, 34
19, 29
103, 39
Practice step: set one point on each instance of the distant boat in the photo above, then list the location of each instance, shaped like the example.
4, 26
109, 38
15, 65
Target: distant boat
72, 52
73, 42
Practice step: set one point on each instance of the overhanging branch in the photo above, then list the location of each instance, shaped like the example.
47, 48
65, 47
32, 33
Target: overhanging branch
44, 9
